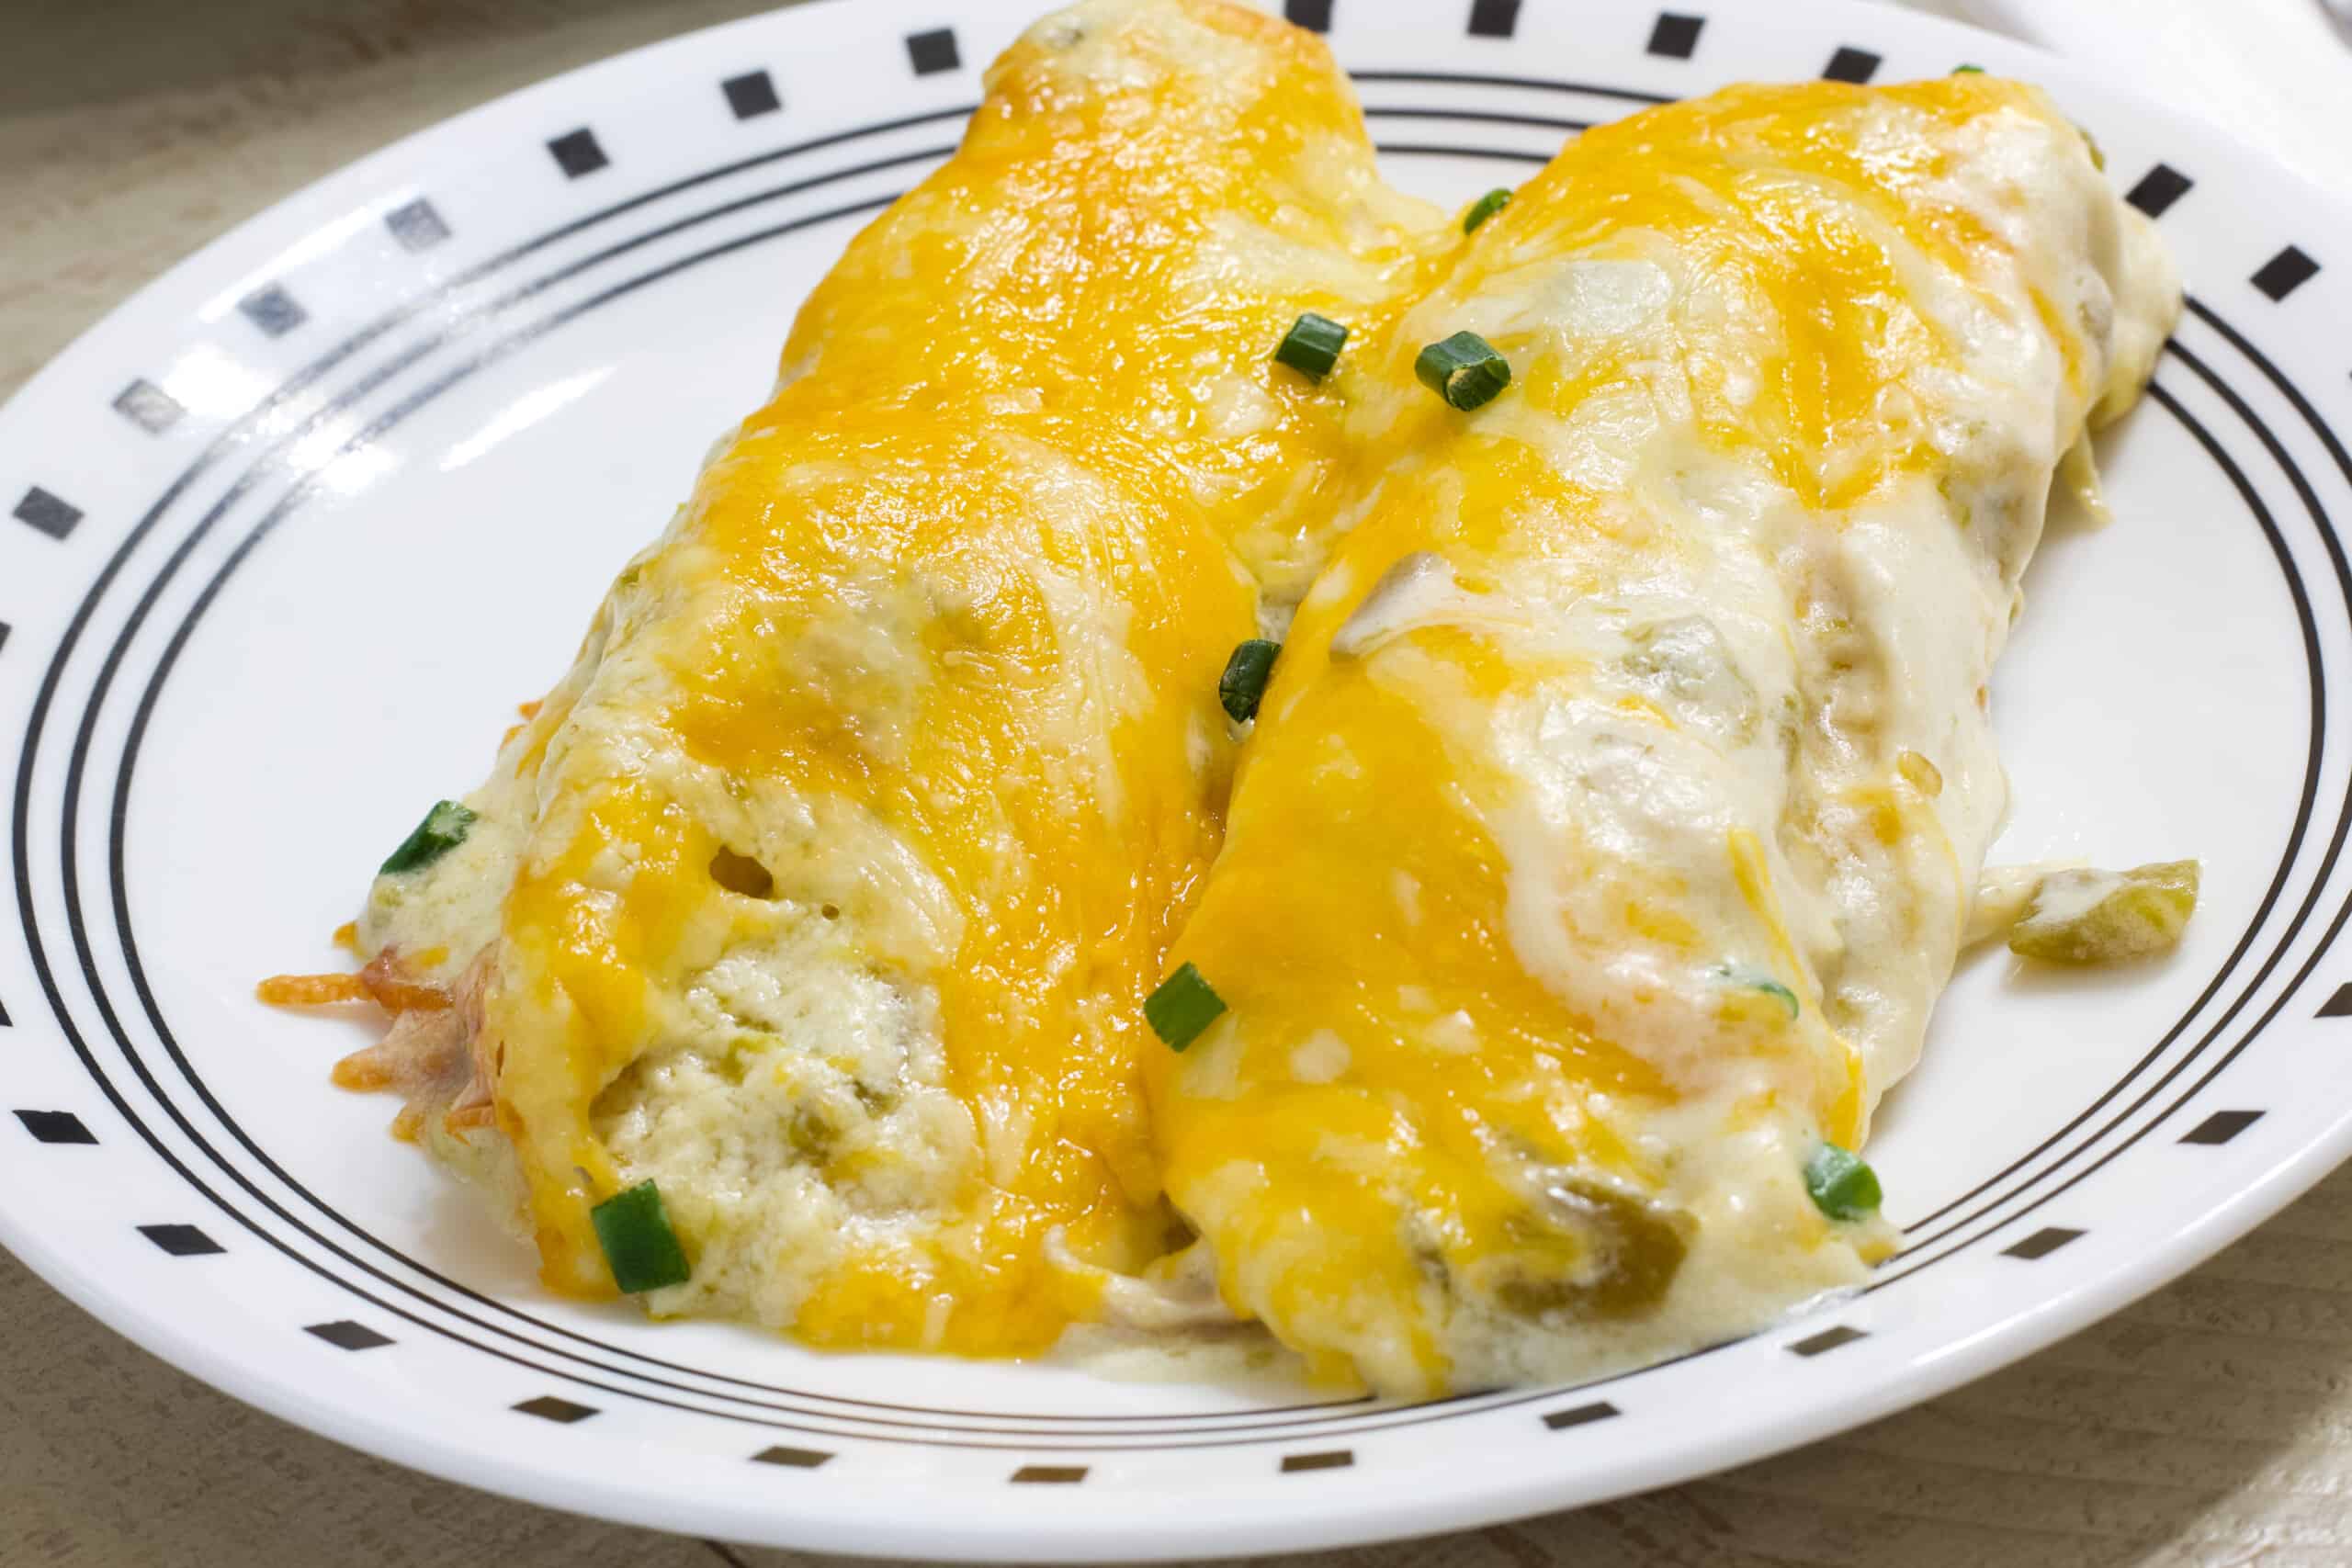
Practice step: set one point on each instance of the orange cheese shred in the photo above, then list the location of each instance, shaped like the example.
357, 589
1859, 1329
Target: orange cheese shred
312, 990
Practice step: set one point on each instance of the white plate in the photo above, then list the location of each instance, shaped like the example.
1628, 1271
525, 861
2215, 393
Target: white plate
240, 655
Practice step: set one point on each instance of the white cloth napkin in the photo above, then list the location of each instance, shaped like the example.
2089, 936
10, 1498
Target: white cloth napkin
2277, 73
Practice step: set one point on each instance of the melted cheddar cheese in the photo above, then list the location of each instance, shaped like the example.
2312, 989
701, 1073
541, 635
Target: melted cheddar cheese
834, 875
1597, 852
1611, 818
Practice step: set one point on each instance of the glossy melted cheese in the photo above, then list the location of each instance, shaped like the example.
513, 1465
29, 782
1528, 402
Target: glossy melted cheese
829, 885
1599, 848
1660, 678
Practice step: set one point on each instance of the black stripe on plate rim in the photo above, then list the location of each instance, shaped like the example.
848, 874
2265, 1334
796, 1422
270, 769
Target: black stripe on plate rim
286, 391
2318, 514
1261, 1438
1348, 1410
2164, 399
293, 498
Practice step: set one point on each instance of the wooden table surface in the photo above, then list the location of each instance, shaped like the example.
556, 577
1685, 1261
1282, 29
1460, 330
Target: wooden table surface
2211, 1424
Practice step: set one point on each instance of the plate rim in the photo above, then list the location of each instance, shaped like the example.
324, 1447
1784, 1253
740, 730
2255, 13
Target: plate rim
1014, 1532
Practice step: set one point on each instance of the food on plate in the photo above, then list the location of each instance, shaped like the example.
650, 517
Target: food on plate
826, 891
2104, 917
1610, 821
1231, 747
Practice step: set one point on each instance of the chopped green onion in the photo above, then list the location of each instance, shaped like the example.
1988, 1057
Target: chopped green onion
1464, 370
1486, 207
1184, 1005
1312, 345
638, 1241
1968, 71
1244, 681
1757, 980
444, 829
1842, 1185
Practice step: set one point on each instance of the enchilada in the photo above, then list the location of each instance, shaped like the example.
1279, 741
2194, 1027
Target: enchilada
1614, 813
859, 941
823, 893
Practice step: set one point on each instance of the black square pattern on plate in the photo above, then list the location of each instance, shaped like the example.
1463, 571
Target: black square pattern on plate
563, 1412
2158, 189
933, 52
2041, 1243
182, 1241
2221, 1126
1049, 1475
578, 152
794, 1459
1827, 1340
149, 407
1314, 14
2338, 1005
1579, 1416
1330, 1459
56, 1127
2285, 273
417, 225
46, 512
1677, 35
1494, 19
1850, 64
348, 1336
273, 309
750, 94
